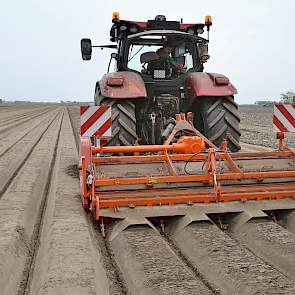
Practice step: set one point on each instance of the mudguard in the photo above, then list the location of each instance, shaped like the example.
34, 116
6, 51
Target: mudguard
85, 150
122, 85
207, 84
86, 160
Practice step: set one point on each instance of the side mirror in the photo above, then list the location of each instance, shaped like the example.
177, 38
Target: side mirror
86, 49
203, 52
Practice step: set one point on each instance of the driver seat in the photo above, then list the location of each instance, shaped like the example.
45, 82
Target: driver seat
149, 56
157, 67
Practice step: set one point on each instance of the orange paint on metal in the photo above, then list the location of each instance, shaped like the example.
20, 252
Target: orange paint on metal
84, 185
197, 197
187, 144
184, 157
192, 178
210, 187
233, 165
170, 165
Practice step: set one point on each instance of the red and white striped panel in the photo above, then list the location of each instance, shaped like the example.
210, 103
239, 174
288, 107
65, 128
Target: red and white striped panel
95, 121
284, 118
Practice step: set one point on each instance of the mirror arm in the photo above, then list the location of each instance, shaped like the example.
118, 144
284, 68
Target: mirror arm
111, 46
110, 64
113, 56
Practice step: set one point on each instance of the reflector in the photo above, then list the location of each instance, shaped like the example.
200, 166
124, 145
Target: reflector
118, 81
221, 80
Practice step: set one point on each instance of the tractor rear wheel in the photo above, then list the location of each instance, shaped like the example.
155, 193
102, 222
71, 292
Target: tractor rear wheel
123, 122
217, 117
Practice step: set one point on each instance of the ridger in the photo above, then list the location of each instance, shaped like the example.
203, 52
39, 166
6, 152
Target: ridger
174, 131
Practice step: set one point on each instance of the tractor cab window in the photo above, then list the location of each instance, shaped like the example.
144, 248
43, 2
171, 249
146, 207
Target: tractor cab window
138, 54
189, 62
162, 57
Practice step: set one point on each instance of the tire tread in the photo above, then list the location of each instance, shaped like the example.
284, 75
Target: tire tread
217, 117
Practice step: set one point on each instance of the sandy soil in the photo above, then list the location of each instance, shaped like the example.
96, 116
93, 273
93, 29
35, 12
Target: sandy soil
49, 245
151, 267
257, 127
45, 244
66, 262
227, 264
268, 240
19, 206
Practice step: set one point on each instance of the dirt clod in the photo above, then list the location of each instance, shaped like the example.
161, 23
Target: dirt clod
73, 170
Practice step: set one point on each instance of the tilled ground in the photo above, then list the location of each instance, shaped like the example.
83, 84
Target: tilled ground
257, 128
48, 245
227, 264
45, 246
271, 242
150, 266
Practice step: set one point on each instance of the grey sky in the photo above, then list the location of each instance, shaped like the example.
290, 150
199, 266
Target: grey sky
252, 42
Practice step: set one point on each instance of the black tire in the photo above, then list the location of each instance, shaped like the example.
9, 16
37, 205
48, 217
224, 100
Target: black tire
123, 122
217, 117
97, 95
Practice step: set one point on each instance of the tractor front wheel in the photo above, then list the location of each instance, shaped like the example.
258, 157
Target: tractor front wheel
217, 117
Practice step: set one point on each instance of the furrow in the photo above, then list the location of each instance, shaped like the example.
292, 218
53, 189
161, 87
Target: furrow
269, 241
225, 263
11, 165
16, 138
17, 122
150, 266
66, 261
19, 208
13, 112
35, 240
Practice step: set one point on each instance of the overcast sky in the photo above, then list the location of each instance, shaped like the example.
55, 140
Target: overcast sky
252, 42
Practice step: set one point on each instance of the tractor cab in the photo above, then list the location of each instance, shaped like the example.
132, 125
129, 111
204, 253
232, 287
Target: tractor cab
158, 73
159, 49
162, 54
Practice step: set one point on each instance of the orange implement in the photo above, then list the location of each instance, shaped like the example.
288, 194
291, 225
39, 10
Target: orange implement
186, 144
185, 174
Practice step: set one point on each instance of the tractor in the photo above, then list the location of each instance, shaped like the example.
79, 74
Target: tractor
174, 141
158, 73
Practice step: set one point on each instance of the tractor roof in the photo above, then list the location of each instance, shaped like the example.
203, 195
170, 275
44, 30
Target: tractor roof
142, 37
121, 29
159, 32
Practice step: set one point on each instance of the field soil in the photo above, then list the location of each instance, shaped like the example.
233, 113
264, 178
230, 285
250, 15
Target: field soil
49, 245
257, 128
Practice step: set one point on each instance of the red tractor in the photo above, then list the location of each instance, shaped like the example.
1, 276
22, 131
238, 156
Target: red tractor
159, 72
